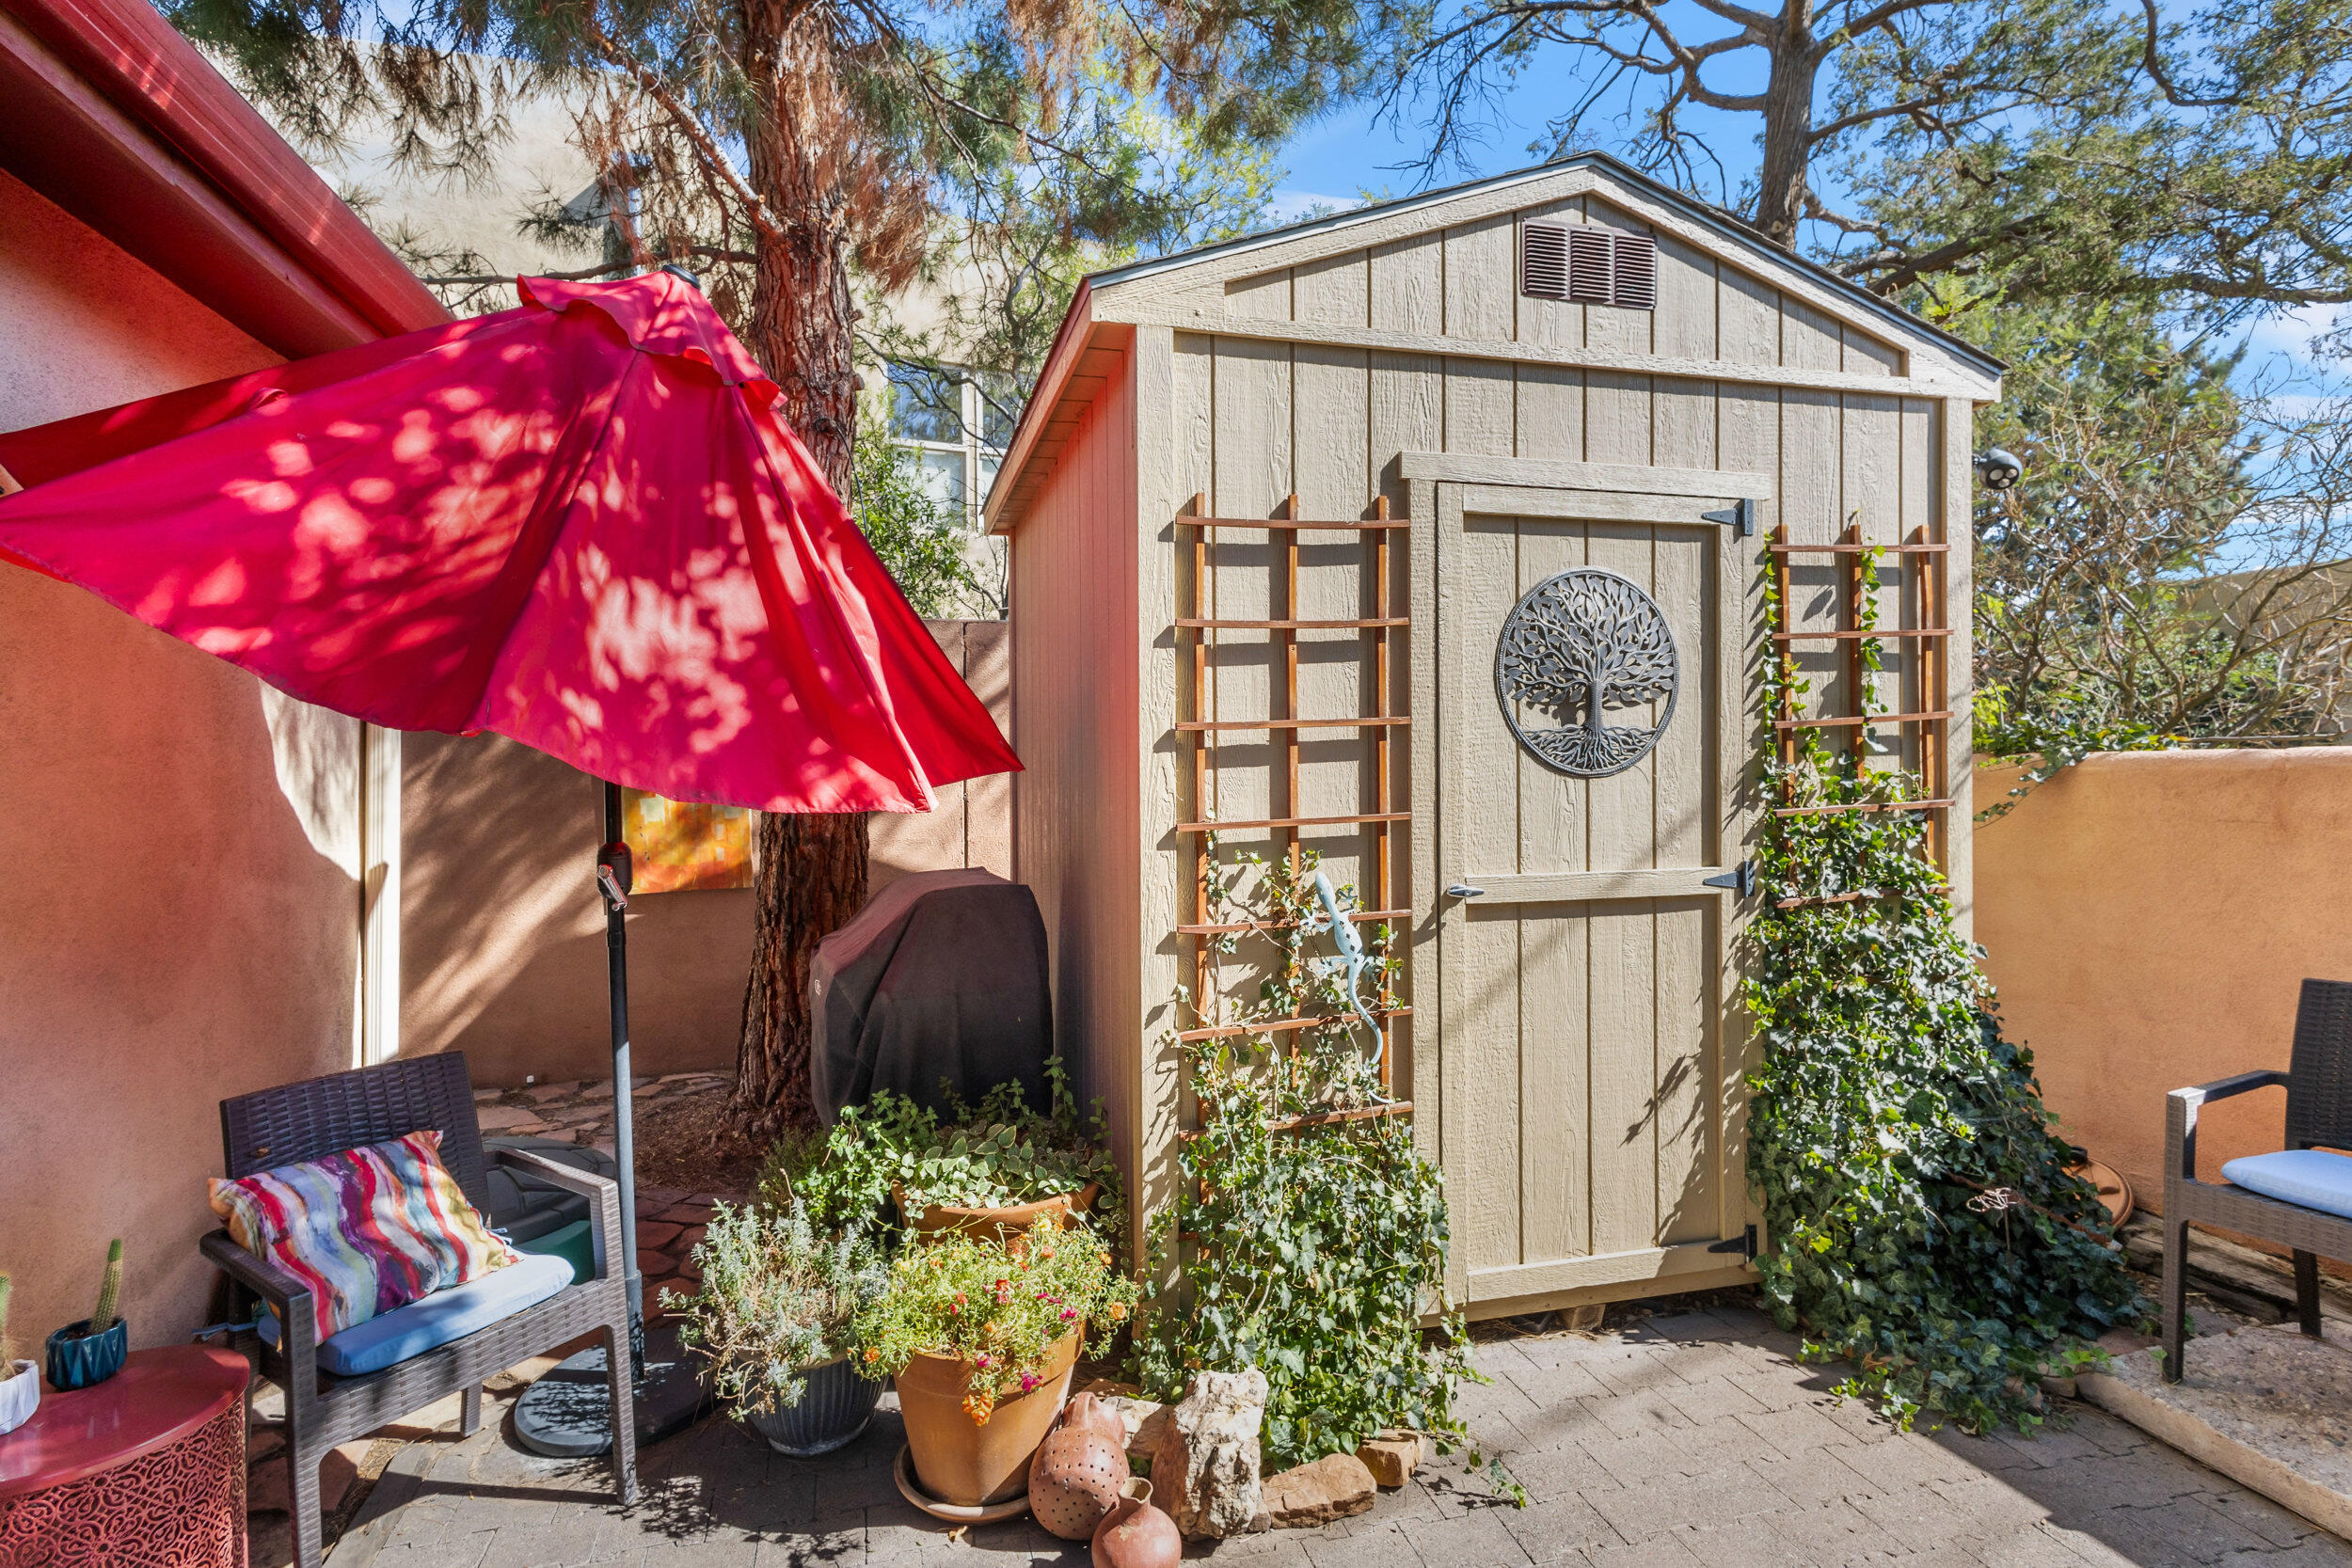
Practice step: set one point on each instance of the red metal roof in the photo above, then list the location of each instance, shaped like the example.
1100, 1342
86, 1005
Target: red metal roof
108, 112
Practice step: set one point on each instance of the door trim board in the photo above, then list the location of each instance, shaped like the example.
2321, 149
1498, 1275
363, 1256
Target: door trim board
1606, 1268
1458, 468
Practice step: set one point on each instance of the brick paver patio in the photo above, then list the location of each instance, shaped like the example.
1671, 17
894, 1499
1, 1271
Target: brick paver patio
1682, 1440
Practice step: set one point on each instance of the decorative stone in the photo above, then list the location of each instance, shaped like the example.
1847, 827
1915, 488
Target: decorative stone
1204, 1468
1144, 1420
1393, 1456
653, 1235
1333, 1487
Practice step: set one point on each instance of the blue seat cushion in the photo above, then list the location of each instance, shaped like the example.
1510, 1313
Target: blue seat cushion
2311, 1178
440, 1318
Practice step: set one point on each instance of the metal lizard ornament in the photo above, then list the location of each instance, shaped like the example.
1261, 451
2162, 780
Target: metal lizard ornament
1352, 959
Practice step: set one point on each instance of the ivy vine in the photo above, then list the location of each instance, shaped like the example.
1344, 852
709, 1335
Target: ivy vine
1307, 1251
1923, 1221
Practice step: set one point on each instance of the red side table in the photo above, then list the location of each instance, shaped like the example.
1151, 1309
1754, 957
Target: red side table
147, 1468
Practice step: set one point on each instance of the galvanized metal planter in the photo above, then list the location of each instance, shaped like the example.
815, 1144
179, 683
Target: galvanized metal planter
829, 1416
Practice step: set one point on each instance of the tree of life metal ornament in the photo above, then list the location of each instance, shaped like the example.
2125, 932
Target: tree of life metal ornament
1579, 644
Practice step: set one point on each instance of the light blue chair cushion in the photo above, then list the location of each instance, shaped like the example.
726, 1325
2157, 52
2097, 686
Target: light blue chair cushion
2310, 1177
439, 1318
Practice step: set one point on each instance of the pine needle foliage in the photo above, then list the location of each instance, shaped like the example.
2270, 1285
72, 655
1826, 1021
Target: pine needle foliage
1922, 1221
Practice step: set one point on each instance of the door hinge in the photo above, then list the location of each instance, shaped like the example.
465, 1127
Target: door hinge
1739, 514
1744, 1244
1740, 880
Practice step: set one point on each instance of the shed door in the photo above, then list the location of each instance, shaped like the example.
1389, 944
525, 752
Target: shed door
1590, 1054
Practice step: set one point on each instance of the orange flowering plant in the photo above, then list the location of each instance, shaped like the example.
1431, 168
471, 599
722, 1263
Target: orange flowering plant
999, 1308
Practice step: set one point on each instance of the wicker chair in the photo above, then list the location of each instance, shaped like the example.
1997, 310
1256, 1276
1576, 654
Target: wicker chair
2318, 1115
303, 1122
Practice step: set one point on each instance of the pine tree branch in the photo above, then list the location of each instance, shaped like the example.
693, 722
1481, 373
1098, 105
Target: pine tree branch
689, 125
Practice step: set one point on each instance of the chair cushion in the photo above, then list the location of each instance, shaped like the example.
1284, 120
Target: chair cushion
440, 1318
2311, 1178
576, 1244
367, 1229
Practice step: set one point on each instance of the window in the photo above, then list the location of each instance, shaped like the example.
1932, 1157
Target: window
957, 425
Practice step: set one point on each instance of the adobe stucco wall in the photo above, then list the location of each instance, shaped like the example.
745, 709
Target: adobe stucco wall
502, 935
177, 855
2147, 918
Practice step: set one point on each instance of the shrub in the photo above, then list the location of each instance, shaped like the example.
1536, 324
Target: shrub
776, 1299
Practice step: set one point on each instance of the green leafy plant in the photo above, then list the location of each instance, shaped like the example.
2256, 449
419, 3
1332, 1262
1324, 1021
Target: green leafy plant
1305, 1241
992, 1155
999, 1308
102, 1317
1921, 1217
776, 1298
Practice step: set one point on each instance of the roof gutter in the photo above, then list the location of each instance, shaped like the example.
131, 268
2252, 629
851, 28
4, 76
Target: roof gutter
108, 112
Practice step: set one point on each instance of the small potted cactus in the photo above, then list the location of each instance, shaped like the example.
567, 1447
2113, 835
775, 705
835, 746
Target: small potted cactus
20, 1380
88, 1353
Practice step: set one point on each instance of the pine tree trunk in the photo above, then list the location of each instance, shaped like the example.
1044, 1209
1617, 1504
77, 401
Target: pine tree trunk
811, 869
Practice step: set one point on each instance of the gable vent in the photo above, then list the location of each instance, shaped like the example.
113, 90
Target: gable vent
1588, 265
1544, 261
1636, 283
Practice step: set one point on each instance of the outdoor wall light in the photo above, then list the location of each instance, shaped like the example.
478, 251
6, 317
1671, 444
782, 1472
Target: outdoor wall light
1999, 469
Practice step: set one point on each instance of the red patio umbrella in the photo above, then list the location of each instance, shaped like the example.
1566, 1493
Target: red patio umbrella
579, 523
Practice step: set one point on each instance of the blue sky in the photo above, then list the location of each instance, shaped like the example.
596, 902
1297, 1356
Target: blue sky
1344, 156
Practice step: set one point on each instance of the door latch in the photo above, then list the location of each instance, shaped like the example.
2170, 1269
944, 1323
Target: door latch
1739, 514
1740, 880
1743, 1245
1463, 890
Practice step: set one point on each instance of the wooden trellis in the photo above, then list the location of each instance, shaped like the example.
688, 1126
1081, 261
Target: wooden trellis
1197, 627
1918, 555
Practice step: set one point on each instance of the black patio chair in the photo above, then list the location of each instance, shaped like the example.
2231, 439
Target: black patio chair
2319, 1082
326, 1115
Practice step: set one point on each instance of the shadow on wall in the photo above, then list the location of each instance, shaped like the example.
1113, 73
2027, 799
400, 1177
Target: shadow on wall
182, 925
502, 935
2149, 918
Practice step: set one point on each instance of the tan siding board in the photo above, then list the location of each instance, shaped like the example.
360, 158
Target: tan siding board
1482, 281
1408, 286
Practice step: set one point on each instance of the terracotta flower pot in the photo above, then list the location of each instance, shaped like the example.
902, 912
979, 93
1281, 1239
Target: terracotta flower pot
969, 1462
996, 1225
1138, 1535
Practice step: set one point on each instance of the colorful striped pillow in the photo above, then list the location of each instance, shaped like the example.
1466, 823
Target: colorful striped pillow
367, 1231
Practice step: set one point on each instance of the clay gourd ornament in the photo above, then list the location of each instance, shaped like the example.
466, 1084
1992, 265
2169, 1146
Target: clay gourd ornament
1075, 1475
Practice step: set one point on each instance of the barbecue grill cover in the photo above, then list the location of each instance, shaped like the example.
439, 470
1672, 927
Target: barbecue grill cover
942, 976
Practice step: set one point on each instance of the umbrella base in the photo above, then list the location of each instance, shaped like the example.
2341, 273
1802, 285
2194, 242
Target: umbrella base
568, 1413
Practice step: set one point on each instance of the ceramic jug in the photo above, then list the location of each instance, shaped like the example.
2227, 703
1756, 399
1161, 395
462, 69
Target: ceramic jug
1138, 1535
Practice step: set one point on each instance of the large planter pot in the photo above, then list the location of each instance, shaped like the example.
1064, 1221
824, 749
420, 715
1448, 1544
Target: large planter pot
20, 1393
969, 1464
77, 1360
831, 1414
996, 1225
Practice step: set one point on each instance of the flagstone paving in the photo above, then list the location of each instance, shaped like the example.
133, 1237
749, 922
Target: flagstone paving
1679, 1440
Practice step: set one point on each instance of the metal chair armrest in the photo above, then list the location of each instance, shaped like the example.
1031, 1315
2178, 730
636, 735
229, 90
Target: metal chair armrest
288, 1297
2222, 1088
2179, 1117
602, 1191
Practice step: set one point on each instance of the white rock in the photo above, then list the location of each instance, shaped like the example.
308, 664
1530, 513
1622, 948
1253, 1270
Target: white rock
1204, 1470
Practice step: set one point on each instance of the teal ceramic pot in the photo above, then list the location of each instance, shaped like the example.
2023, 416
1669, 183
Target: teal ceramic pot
77, 1362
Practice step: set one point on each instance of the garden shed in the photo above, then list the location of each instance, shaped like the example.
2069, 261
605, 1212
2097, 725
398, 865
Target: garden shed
1438, 537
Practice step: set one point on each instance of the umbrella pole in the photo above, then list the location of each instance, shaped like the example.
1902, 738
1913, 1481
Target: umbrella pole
613, 880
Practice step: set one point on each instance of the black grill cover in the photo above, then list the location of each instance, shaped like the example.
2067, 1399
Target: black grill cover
942, 976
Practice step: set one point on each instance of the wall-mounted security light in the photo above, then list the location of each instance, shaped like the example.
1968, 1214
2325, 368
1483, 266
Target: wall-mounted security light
1999, 469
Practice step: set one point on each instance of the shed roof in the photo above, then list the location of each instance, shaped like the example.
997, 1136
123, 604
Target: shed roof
1126, 295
